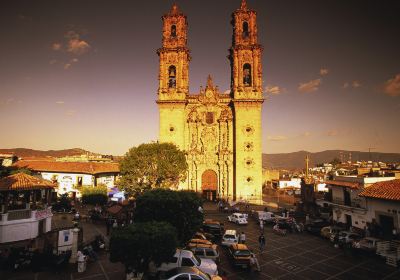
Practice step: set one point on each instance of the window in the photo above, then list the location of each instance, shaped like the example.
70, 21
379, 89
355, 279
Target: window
182, 277
172, 76
195, 277
245, 33
187, 262
210, 253
247, 75
209, 118
79, 181
173, 31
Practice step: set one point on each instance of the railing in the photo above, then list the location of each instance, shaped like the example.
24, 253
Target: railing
19, 215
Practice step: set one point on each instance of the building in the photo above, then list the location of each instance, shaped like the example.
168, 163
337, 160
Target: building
69, 176
220, 132
25, 207
7, 160
383, 205
348, 207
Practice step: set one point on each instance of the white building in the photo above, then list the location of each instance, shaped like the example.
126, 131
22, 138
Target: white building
25, 212
294, 183
383, 205
69, 176
343, 196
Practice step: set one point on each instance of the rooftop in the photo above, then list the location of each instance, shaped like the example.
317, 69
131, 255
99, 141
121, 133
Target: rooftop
389, 190
23, 182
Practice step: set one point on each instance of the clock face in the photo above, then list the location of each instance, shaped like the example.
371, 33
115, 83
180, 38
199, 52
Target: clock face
208, 93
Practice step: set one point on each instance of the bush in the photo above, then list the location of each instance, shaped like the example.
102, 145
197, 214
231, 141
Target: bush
94, 195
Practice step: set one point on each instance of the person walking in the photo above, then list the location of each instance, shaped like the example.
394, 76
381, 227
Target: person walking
261, 242
81, 261
254, 262
242, 238
261, 225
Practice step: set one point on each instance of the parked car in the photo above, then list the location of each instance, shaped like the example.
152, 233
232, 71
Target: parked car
205, 251
230, 237
204, 235
239, 254
315, 226
187, 258
367, 244
199, 241
348, 237
327, 232
187, 273
238, 218
265, 217
213, 227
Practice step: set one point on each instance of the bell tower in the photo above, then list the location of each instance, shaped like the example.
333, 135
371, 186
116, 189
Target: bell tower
247, 98
173, 87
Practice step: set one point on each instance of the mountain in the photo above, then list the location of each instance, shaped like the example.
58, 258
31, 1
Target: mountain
23, 153
296, 160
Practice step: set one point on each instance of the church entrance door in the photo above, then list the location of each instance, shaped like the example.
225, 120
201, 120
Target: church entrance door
209, 183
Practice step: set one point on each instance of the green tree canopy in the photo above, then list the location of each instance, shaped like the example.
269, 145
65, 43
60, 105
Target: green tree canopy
178, 208
154, 165
94, 195
138, 244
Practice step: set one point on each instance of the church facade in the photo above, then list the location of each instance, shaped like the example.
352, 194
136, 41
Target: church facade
219, 132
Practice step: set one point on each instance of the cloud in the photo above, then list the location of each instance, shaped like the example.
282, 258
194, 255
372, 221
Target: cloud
70, 113
228, 91
310, 86
353, 84
392, 86
356, 84
60, 102
53, 61
67, 66
306, 134
332, 133
273, 90
56, 46
277, 138
74, 60
323, 71
78, 47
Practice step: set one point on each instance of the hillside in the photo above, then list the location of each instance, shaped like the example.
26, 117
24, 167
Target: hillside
22, 152
296, 160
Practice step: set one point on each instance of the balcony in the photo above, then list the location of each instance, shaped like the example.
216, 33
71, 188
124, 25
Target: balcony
24, 214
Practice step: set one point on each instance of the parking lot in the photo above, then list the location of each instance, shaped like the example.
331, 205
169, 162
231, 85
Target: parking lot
301, 256
294, 256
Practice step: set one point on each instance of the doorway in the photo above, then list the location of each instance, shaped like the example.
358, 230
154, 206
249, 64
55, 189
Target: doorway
348, 221
209, 181
387, 225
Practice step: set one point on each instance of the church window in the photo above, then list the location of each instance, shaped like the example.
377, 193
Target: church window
173, 31
249, 179
248, 146
171, 129
245, 33
172, 76
209, 117
247, 75
249, 129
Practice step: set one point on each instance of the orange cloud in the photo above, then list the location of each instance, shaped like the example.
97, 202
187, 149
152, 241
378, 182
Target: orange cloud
273, 90
56, 46
310, 86
392, 86
323, 71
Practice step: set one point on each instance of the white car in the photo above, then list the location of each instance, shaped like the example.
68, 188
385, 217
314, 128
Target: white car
238, 218
187, 273
230, 237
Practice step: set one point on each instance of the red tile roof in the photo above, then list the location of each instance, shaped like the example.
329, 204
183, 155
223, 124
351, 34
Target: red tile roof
22, 182
389, 190
69, 167
351, 185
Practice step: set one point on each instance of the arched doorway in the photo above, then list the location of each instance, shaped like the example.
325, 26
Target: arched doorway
209, 183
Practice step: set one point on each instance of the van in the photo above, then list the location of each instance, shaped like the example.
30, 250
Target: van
230, 237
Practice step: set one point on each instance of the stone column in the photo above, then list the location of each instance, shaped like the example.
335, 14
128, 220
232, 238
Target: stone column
74, 249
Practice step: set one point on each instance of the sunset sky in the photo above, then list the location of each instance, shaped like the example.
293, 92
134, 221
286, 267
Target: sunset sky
84, 73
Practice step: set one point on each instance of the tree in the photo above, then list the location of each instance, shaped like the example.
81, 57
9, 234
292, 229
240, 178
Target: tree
335, 161
154, 165
94, 195
138, 244
178, 208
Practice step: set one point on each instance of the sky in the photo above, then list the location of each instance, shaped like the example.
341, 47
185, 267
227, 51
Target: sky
77, 73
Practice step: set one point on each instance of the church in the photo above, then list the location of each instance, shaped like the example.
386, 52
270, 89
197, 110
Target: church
219, 132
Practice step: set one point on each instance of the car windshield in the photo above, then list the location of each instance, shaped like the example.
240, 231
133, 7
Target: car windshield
240, 216
228, 236
196, 260
242, 253
171, 273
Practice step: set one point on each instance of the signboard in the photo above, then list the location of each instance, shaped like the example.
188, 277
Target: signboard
42, 214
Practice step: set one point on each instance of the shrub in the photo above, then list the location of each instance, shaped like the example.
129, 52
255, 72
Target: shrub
94, 195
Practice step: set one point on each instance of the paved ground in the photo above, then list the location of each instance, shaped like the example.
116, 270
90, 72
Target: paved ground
295, 256
302, 256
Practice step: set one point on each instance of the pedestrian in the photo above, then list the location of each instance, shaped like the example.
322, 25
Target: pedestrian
254, 262
81, 261
261, 242
261, 225
242, 238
